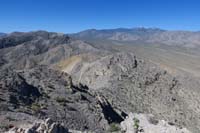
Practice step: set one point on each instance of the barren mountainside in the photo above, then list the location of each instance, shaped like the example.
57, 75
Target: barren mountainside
175, 51
144, 35
88, 82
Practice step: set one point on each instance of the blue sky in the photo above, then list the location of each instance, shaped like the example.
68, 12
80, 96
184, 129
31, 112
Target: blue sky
75, 15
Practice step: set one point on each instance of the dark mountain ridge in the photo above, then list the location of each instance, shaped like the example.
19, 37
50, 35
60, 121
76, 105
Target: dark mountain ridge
2, 34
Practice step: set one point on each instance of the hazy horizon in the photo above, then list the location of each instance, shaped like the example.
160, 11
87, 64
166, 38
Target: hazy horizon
102, 29
72, 16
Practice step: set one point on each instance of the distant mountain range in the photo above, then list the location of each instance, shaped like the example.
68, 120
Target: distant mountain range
2, 34
186, 39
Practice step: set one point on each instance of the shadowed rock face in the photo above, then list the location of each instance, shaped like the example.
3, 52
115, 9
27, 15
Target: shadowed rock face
109, 113
17, 89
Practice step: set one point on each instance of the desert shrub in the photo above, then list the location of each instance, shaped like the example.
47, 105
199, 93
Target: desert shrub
4, 127
35, 107
114, 127
10, 118
61, 101
136, 124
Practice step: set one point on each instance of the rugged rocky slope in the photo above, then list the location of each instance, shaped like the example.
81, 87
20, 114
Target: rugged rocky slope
39, 93
27, 50
85, 87
136, 123
136, 85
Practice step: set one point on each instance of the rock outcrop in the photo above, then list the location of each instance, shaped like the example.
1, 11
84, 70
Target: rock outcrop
47, 126
143, 123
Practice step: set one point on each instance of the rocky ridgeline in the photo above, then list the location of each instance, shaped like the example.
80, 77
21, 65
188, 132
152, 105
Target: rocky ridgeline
28, 50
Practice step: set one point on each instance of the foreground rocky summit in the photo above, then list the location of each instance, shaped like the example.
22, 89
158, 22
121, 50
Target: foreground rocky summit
78, 87
134, 123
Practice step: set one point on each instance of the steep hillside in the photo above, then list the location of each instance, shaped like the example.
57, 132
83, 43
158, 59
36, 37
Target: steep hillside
135, 85
27, 50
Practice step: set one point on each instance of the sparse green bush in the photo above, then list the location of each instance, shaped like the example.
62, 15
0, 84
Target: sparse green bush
61, 101
114, 127
136, 124
35, 107
10, 118
5, 127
